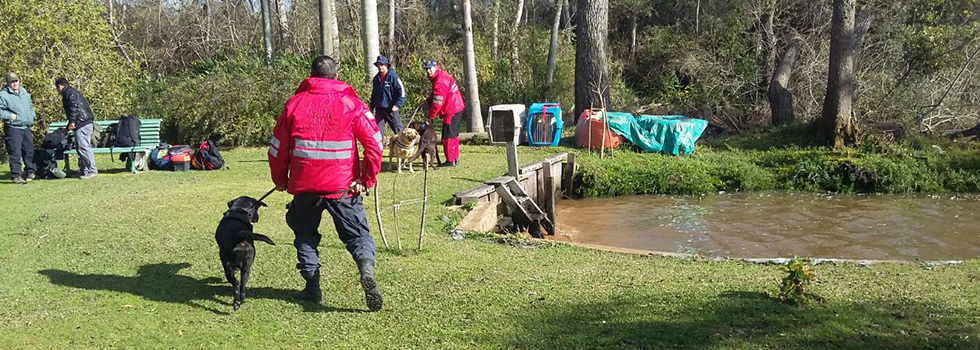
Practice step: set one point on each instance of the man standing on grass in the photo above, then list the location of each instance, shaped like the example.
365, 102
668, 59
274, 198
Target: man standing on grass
80, 120
387, 96
446, 102
313, 156
17, 113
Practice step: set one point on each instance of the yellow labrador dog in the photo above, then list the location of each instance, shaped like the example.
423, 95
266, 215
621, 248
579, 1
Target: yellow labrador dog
402, 146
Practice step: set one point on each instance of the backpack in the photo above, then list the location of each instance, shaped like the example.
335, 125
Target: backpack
55, 140
108, 136
207, 157
127, 132
96, 135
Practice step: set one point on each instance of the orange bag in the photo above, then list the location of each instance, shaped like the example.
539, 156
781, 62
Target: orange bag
583, 137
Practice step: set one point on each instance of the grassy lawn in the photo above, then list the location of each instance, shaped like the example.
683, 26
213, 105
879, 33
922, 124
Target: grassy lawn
129, 261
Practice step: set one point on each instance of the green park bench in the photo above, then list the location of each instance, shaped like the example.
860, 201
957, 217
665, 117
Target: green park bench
149, 138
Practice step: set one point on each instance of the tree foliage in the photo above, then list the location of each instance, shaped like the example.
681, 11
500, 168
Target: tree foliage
43, 40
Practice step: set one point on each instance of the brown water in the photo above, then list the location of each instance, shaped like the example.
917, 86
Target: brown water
779, 224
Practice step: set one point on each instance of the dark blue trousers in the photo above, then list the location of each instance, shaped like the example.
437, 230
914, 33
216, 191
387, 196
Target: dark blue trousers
20, 149
394, 120
303, 216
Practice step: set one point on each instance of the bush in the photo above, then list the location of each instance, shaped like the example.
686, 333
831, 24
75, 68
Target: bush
44, 40
897, 169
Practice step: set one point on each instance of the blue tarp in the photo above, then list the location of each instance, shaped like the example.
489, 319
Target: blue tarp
673, 134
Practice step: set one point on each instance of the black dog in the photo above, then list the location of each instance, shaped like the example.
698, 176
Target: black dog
236, 242
428, 141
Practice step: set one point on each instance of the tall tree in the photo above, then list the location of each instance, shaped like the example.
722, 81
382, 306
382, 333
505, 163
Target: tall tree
369, 37
266, 31
392, 9
553, 48
591, 68
326, 45
472, 83
837, 123
284, 35
334, 31
496, 27
780, 97
514, 59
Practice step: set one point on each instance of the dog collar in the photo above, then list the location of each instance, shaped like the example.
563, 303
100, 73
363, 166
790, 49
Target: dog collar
239, 215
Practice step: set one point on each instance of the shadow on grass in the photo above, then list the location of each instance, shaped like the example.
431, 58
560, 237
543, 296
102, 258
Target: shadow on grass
740, 320
161, 282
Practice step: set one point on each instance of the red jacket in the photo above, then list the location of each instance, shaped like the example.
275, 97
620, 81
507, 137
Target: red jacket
445, 100
312, 149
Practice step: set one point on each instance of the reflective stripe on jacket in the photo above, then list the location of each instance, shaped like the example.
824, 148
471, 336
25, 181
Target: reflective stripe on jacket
313, 149
445, 100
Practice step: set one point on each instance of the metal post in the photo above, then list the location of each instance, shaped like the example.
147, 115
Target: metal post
512, 159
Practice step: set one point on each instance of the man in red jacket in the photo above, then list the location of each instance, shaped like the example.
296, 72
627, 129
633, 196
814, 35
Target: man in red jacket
313, 156
447, 102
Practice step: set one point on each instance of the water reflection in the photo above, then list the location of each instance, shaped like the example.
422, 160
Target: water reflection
778, 224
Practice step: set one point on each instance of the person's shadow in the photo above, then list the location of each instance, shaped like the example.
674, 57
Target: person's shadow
161, 282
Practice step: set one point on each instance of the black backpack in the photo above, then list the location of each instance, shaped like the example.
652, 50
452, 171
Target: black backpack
127, 132
108, 136
207, 157
55, 140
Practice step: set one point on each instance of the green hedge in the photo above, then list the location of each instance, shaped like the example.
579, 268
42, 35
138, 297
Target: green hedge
935, 167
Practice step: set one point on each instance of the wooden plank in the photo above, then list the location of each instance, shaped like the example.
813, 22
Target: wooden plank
500, 180
538, 165
568, 175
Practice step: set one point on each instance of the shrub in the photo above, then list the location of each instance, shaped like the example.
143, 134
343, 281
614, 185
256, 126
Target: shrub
795, 286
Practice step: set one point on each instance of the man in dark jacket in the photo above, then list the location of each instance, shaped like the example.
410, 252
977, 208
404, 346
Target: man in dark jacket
387, 96
17, 113
80, 118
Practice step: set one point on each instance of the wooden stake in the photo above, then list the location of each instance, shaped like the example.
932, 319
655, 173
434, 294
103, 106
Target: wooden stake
425, 199
394, 211
377, 213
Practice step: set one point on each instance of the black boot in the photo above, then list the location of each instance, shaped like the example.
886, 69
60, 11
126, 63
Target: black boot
372, 295
312, 291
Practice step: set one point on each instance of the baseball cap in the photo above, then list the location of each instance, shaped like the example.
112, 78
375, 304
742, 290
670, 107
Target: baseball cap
12, 77
429, 64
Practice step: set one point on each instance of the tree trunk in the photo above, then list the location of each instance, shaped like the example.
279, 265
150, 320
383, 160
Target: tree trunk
391, 28
496, 31
326, 45
553, 48
591, 69
838, 126
472, 81
334, 31
369, 37
266, 31
514, 58
567, 14
780, 98
633, 35
284, 36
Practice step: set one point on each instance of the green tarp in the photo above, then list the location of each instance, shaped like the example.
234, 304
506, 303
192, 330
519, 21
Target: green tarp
673, 134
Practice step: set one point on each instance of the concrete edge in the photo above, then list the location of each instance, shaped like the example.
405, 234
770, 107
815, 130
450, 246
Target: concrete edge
760, 261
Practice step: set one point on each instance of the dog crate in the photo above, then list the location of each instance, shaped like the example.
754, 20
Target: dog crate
544, 124
505, 123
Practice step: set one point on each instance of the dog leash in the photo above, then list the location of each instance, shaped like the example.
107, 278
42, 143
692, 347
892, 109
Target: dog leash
267, 194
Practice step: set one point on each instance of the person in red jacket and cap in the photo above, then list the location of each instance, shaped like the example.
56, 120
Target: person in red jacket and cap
447, 102
313, 156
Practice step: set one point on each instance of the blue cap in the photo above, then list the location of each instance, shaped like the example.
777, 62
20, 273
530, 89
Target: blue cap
382, 60
429, 64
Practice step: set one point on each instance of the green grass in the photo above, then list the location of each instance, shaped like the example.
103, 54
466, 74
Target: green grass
128, 261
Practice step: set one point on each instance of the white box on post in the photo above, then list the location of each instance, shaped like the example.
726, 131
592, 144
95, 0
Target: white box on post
504, 127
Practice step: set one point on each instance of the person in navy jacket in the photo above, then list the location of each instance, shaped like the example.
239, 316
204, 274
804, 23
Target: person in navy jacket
387, 96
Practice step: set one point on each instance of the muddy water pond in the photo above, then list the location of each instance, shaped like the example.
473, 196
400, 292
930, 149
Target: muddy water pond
780, 224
